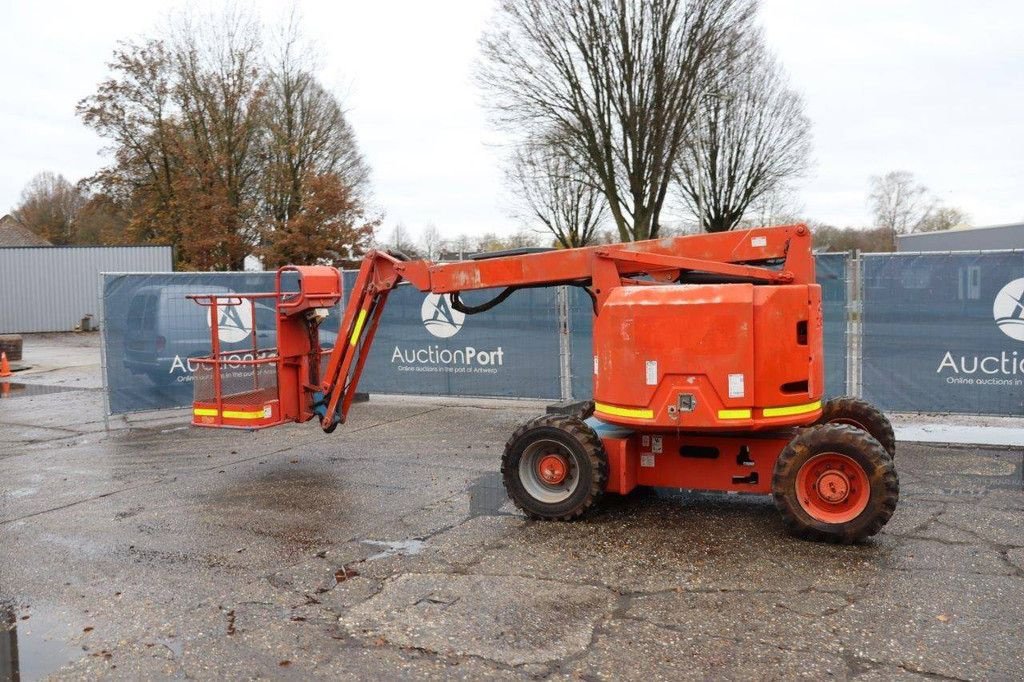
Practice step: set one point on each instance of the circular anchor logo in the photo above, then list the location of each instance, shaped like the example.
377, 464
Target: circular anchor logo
439, 317
1008, 309
235, 323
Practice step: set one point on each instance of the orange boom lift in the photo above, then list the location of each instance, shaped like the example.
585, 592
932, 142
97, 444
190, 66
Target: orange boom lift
707, 375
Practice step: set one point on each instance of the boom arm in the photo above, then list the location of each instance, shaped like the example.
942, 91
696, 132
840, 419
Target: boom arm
777, 255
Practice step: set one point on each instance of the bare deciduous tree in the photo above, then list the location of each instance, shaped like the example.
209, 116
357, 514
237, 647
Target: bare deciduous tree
431, 241
943, 218
899, 202
49, 207
402, 241
750, 136
553, 189
620, 78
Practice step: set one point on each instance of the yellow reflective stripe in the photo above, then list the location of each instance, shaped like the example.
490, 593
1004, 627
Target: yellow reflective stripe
359, 327
632, 412
734, 414
791, 409
228, 414
235, 414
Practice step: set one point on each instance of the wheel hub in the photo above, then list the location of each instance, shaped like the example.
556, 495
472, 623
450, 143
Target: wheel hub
552, 469
833, 486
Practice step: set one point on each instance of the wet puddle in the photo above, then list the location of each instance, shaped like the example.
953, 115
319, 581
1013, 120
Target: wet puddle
487, 496
14, 389
35, 642
391, 548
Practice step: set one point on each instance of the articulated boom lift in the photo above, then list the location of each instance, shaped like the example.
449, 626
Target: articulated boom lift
707, 375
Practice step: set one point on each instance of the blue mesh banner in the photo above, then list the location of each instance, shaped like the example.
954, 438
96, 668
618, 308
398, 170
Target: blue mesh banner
832, 276
425, 347
944, 332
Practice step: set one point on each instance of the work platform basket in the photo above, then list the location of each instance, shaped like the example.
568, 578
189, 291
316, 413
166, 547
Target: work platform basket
237, 386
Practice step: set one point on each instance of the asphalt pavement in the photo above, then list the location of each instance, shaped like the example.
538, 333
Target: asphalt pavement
388, 550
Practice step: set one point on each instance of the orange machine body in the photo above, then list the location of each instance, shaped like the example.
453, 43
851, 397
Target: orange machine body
709, 356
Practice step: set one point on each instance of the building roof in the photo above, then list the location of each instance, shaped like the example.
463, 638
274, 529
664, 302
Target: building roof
13, 233
986, 237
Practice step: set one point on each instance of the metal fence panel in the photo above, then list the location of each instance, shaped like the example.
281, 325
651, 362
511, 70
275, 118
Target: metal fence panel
832, 275
943, 332
51, 288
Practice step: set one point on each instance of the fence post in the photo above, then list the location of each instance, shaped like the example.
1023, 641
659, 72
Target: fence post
564, 344
854, 324
103, 351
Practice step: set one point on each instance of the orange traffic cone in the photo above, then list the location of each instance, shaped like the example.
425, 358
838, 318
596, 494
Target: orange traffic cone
5, 368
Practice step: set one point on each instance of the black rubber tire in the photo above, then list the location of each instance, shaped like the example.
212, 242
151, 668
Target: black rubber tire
855, 444
865, 414
588, 456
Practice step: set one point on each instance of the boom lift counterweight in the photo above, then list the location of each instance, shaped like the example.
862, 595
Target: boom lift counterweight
707, 375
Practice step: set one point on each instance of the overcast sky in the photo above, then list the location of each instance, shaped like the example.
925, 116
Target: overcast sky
934, 87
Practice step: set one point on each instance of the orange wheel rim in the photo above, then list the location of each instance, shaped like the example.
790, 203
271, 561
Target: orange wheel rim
552, 469
832, 488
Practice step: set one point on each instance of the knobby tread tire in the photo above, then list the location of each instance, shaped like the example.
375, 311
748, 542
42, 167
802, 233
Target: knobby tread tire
579, 438
873, 420
856, 444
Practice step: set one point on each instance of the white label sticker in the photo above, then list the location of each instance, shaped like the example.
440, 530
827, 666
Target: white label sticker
652, 372
646, 460
759, 241
595, 364
645, 441
267, 412
656, 445
736, 387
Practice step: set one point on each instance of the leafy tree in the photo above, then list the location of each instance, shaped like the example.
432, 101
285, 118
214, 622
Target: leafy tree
331, 228
217, 149
49, 206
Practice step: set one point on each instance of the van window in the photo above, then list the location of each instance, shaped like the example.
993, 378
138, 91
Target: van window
138, 309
